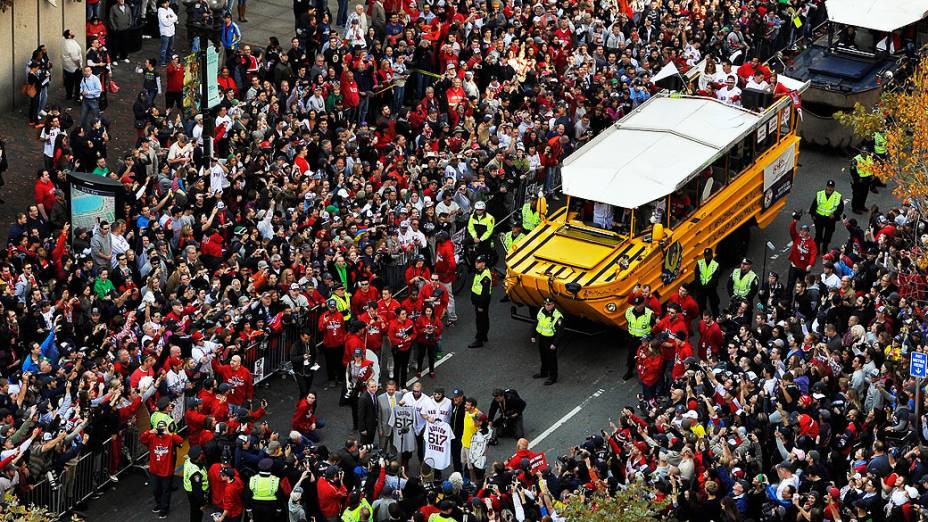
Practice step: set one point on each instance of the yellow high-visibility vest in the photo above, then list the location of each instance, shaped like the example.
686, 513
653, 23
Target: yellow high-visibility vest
742, 283
826, 205
342, 304
488, 223
189, 470
638, 326
530, 217
263, 488
864, 164
879, 143
477, 286
706, 272
547, 324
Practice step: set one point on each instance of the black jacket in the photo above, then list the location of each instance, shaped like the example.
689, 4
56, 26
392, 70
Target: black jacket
367, 414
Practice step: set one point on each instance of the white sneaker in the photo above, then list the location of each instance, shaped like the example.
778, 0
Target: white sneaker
126, 60
146, 37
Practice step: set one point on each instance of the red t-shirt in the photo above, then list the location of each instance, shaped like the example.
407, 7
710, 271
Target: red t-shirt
161, 452
232, 497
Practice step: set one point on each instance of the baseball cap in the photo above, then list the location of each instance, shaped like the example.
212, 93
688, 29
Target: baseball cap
294, 286
457, 392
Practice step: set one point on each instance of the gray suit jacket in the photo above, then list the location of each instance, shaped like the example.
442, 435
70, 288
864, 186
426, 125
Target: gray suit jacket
386, 412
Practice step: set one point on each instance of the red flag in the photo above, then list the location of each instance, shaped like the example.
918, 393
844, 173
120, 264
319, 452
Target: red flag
797, 103
625, 8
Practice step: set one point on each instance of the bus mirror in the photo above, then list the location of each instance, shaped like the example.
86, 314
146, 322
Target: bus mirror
657, 233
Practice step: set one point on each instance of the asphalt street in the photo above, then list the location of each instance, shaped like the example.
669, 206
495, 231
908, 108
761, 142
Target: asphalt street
589, 393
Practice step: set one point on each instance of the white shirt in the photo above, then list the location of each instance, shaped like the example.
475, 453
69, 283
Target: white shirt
119, 246
166, 20
831, 281
730, 96
48, 141
71, 55
602, 215
440, 410
437, 442
762, 86
410, 400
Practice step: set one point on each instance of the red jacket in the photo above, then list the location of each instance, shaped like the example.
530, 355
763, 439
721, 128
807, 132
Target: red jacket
515, 461
445, 263
387, 311
350, 96
240, 380
402, 334
650, 367
438, 297
194, 420
217, 486
687, 304
375, 330
45, 194
304, 416
331, 497
352, 342
232, 497
684, 351
175, 76
161, 452
360, 299
333, 326
804, 251
422, 323
212, 245
711, 339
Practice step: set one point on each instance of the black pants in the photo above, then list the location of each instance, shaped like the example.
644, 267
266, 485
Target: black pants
421, 351
708, 295
72, 82
196, 503
795, 274
162, 492
548, 355
456, 455
824, 229
118, 43
173, 99
483, 322
264, 511
400, 366
859, 192
333, 363
633, 344
304, 382
511, 427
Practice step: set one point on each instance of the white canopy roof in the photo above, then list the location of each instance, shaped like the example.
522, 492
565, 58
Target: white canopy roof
654, 150
880, 15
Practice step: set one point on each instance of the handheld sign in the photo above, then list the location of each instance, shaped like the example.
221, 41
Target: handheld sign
918, 365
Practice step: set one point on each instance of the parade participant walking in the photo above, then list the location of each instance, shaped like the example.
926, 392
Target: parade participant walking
480, 227
265, 493
196, 483
238, 378
445, 269
548, 331
232, 504
358, 371
367, 413
332, 324
861, 180
428, 335
826, 210
162, 445
303, 358
804, 251
480, 293
402, 333
743, 282
640, 319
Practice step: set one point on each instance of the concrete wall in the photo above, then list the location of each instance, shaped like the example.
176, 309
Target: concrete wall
25, 25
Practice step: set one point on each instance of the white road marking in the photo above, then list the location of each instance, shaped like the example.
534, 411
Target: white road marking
564, 419
444, 358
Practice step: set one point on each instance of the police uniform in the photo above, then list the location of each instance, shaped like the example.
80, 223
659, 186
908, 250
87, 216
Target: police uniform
264, 489
481, 227
547, 334
639, 324
825, 211
743, 285
862, 178
342, 303
195, 484
530, 216
480, 290
707, 281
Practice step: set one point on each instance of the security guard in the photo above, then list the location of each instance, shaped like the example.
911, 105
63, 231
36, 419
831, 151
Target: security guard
342, 301
706, 284
530, 215
640, 320
826, 209
164, 414
480, 229
195, 483
743, 282
264, 492
480, 291
547, 334
513, 237
879, 150
861, 179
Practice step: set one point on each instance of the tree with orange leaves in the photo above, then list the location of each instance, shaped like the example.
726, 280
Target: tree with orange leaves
902, 117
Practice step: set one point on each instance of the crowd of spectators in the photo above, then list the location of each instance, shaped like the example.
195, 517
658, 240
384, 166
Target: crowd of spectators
338, 161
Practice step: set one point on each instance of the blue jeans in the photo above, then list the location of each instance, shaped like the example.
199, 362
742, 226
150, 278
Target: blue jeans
398, 94
342, 17
94, 10
167, 44
362, 108
195, 44
90, 111
228, 8
43, 99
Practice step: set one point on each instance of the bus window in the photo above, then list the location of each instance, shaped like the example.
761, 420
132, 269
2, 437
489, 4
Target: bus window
765, 139
713, 178
684, 202
785, 120
740, 156
647, 215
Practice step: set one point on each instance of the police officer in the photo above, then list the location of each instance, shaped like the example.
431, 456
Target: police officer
480, 229
196, 483
164, 414
879, 150
825, 211
706, 284
547, 334
530, 215
743, 282
512, 237
264, 491
480, 291
342, 301
640, 319
861, 178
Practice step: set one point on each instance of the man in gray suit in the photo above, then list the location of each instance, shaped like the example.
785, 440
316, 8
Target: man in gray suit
387, 402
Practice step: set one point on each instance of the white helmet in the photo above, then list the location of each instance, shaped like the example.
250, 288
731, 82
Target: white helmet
480, 205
